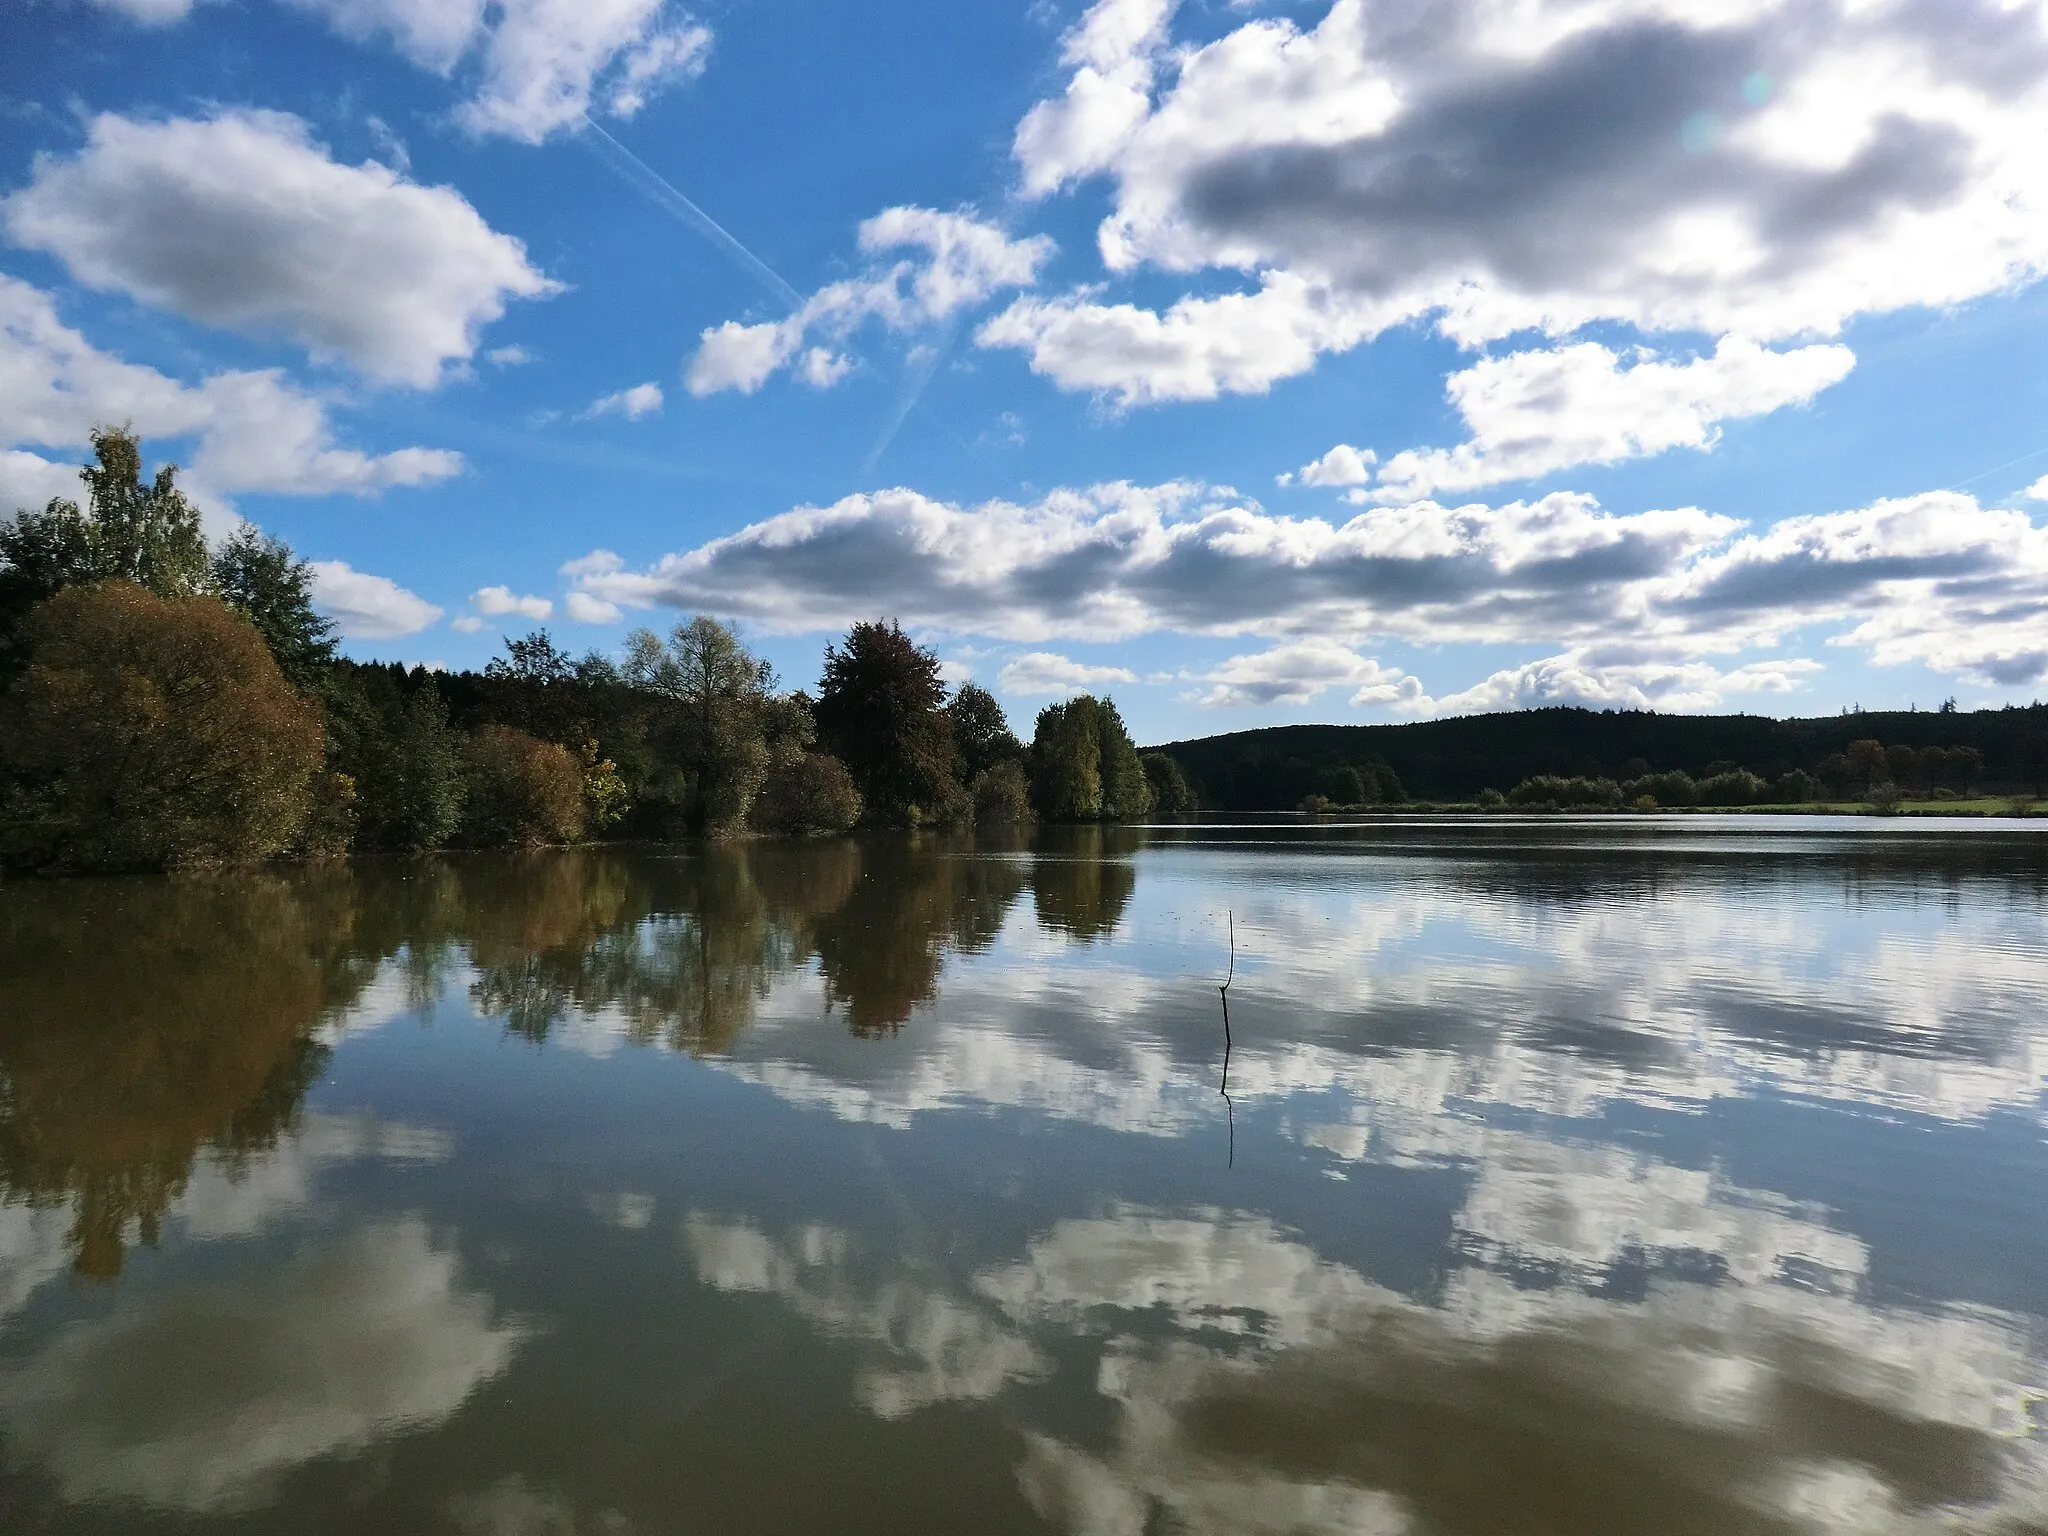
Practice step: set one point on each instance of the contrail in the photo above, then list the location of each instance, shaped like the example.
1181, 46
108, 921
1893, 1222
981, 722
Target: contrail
920, 380
656, 187
1987, 474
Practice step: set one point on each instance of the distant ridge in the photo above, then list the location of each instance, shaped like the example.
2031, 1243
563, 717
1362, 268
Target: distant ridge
1273, 767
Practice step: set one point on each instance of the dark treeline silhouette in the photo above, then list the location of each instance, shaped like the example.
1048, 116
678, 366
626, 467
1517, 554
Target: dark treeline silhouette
166, 703
1616, 758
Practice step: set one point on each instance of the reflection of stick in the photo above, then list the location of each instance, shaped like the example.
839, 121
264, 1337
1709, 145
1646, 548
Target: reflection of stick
1223, 992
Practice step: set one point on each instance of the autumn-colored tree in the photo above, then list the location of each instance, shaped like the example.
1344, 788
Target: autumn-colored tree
522, 791
1002, 795
149, 731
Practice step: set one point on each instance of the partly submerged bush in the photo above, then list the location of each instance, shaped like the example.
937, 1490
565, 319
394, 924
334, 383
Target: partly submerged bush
522, 791
152, 730
813, 794
1002, 795
1668, 790
1547, 791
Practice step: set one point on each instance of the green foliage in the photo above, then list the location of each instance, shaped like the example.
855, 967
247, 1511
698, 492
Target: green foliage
1667, 790
1066, 763
813, 793
716, 728
331, 825
147, 534
1002, 795
1549, 792
880, 710
1454, 758
606, 799
261, 579
1084, 766
1170, 793
981, 731
392, 737
1795, 788
149, 731
522, 792
1738, 787
532, 658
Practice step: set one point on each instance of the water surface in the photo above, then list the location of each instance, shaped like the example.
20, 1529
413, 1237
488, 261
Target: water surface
1606, 1176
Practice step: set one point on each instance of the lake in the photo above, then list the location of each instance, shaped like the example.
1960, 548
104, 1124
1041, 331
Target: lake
1611, 1175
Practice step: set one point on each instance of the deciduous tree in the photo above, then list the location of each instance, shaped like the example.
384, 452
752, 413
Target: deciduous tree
718, 727
880, 710
150, 730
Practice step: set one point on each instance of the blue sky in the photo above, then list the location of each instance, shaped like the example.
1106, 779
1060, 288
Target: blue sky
1369, 360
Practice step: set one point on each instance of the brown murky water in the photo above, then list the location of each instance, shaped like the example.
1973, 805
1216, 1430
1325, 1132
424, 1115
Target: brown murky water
1597, 1177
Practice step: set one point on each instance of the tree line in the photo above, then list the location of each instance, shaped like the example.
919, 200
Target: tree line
1617, 757
166, 702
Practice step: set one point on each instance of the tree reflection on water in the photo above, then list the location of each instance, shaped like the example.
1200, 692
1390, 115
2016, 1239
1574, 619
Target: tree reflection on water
146, 1022
149, 1022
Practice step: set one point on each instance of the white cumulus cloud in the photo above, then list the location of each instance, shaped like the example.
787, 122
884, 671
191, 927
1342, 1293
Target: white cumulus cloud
241, 220
1302, 671
1199, 349
255, 431
367, 607
1342, 465
150, 13
1113, 561
1619, 678
1049, 672
544, 60
585, 609
1766, 169
1534, 413
1936, 578
499, 602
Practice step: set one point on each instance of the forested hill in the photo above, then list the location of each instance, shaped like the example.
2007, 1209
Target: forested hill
1274, 768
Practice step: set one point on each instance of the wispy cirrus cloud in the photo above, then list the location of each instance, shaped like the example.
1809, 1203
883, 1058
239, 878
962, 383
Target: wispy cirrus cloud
529, 68
964, 260
642, 400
